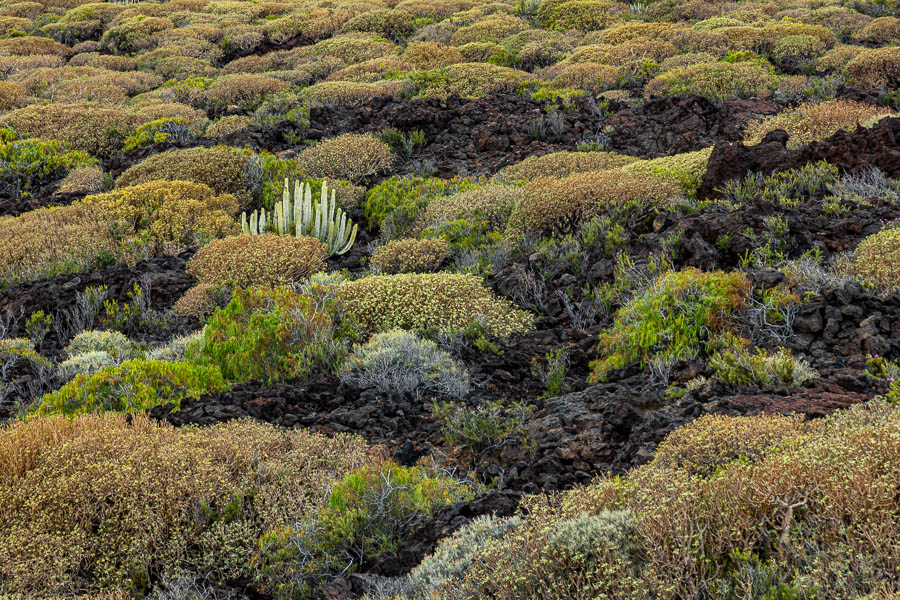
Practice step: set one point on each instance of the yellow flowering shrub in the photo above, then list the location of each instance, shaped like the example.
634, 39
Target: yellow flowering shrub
561, 164
410, 256
816, 121
877, 259
350, 156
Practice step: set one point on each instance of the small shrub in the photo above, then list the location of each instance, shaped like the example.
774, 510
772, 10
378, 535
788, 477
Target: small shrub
410, 256
481, 428
446, 301
737, 368
166, 215
133, 34
271, 335
112, 342
342, 93
354, 48
816, 121
875, 68
562, 164
399, 362
681, 316
33, 45
431, 55
199, 301
349, 156
490, 204
169, 129
396, 202
90, 128
227, 126
267, 260
717, 82
469, 80
687, 168
82, 180
219, 168
877, 259
562, 203
244, 90
176, 349
12, 95
30, 163
86, 363
134, 386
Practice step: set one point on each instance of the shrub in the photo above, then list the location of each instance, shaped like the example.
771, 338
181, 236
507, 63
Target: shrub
687, 169
410, 256
183, 67
713, 441
271, 335
219, 168
431, 55
392, 23
127, 499
469, 80
592, 77
396, 202
682, 316
90, 128
875, 68
33, 45
12, 95
561, 164
583, 15
714, 81
82, 180
877, 259
51, 241
490, 204
176, 349
492, 28
354, 48
86, 363
30, 163
267, 260
793, 50
343, 93
166, 216
134, 386
370, 70
880, 31
349, 156
816, 121
112, 342
400, 362
366, 516
446, 301
133, 34
199, 301
550, 202
245, 90
227, 126
736, 368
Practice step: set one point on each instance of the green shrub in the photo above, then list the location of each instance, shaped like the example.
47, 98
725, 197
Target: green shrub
265, 260
349, 156
717, 82
490, 204
133, 34
875, 68
343, 93
366, 516
687, 168
446, 301
561, 164
176, 348
736, 368
469, 80
410, 256
877, 259
270, 335
397, 201
244, 90
168, 129
125, 501
29, 163
400, 362
12, 95
219, 168
682, 316
134, 386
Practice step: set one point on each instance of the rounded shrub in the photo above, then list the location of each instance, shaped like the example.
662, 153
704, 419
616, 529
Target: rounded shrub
126, 500
561, 164
12, 95
344, 93
94, 129
133, 386
176, 348
410, 256
431, 55
491, 204
816, 121
220, 168
33, 45
269, 260
244, 90
399, 362
550, 202
85, 363
133, 34
447, 301
875, 68
877, 259
717, 81
227, 126
469, 80
349, 156
111, 342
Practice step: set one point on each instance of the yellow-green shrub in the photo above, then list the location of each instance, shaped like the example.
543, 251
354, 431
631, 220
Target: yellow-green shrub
715, 81
350, 156
267, 260
342, 92
12, 95
877, 259
816, 121
469, 80
33, 45
687, 168
550, 201
99, 131
446, 301
166, 216
875, 68
561, 164
489, 29
84, 179
133, 34
583, 15
226, 126
218, 168
392, 23
410, 256
593, 77
489, 203
122, 499
245, 90
882, 30
431, 55
354, 48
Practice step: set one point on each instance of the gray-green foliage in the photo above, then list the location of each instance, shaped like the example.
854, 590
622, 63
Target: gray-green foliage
296, 214
85, 363
587, 537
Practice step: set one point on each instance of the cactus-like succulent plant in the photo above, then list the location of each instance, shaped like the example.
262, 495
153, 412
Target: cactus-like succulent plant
297, 215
